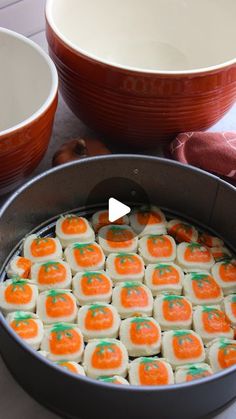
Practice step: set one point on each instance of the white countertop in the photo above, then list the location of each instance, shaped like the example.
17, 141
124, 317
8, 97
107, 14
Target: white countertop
14, 402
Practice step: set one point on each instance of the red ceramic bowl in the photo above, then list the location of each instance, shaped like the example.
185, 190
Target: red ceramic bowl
139, 72
28, 101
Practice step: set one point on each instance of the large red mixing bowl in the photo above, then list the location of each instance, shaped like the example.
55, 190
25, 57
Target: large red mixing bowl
141, 72
28, 102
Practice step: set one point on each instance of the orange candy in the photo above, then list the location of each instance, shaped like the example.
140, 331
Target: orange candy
24, 264
133, 295
87, 255
209, 241
233, 306
227, 354
227, 271
127, 264
69, 366
73, 225
94, 284
196, 252
19, 292
64, 340
195, 373
103, 220
118, 237
204, 286
98, 317
186, 345
51, 273
43, 246
148, 218
25, 326
152, 372
59, 304
107, 355
176, 308
143, 332
181, 232
159, 246
215, 320
165, 275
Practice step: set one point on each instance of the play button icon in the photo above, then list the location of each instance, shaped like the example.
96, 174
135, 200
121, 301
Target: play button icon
113, 199
117, 210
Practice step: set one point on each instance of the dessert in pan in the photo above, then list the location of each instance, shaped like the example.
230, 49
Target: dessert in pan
146, 301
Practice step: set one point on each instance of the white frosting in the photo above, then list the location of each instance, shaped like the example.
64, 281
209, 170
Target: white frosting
95, 331
138, 289
134, 376
141, 349
78, 367
19, 316
228, 287
66, 239
202, 279
28, 253
18, 285
174, 288
168, 350
200, 328
69, 355
75, 266
194, 370
119, 277
193, 265
228, 308
56, 297
13, 269
150, 258
100, 346
49, 267
82, 298
175, 300
217, 345
148, 228
194, 232
96, 221
107, 248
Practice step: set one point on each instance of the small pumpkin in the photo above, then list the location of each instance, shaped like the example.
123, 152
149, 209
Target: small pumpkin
79, 148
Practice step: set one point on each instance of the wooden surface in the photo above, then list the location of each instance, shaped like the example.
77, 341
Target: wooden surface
26, 16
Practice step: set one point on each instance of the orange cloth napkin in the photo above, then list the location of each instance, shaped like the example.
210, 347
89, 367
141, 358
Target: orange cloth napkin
211, 151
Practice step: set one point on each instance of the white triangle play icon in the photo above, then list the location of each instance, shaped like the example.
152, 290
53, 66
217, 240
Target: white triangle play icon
117, 210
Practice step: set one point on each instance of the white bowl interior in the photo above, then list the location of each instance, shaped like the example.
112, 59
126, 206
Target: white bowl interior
27, 79
152, 35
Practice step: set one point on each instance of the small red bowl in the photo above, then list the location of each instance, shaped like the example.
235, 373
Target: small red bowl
141, 72
28, 102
